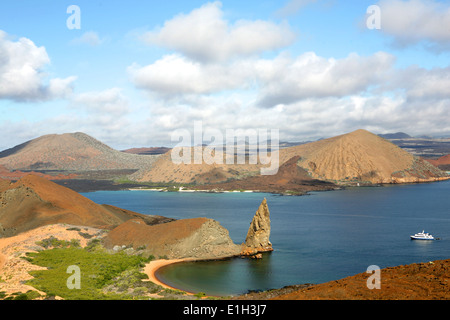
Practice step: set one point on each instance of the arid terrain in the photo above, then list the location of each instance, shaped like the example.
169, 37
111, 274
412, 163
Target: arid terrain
15, 270
197, 238
33, 207
34, 201
417, 281
290, 179
363, 157
83, 163
356, 157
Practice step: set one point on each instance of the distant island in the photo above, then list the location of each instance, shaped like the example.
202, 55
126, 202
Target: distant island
83, 163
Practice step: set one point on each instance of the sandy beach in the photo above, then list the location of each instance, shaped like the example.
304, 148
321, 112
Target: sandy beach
153, 266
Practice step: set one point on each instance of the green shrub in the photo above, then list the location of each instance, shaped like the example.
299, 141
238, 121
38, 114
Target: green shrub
97, 269
56, 243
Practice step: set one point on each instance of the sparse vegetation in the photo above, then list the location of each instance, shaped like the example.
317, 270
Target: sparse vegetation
54, 242
104, 275
29, 295
98, 269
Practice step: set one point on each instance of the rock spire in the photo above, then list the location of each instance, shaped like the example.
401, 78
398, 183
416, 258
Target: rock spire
258, 234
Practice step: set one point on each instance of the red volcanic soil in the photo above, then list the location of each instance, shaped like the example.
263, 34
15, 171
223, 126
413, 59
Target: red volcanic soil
137, 232
417, 281
34, 201
289, 178
441, 161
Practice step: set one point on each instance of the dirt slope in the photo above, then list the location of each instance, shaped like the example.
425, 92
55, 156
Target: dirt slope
69, 151
33, 201
198, 238
4, 184
418, 281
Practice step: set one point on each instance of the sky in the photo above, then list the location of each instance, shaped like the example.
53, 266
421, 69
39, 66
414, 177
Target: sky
131, 73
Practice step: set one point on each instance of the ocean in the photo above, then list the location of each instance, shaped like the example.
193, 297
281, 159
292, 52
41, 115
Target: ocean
319, 237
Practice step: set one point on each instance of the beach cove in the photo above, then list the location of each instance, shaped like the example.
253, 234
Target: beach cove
316, 238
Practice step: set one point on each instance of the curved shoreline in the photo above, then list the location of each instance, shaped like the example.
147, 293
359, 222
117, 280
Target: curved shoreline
153, 266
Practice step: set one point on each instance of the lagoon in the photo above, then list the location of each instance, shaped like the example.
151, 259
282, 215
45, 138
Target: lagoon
316, 238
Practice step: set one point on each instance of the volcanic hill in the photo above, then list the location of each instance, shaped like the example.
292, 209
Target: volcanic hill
290, 178
33, 201
165, 169
356, 157
198, 238
70, 152
362, 157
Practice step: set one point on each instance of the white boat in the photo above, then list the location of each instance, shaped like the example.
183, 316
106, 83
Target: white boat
422, 236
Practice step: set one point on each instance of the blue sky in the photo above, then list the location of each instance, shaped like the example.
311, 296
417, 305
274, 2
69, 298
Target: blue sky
138, 70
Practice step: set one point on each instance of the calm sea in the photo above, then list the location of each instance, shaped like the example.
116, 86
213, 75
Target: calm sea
317, 238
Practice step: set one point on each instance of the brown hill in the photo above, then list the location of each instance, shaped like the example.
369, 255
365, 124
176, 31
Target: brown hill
356, 157
289, 178
417, 281
33, 201
69, 151
361, 156
165, 170
197, 238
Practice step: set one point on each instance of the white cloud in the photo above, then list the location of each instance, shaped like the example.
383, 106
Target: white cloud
61, 88
21, 72
413, 21
287, 80
279, 81
90, 38
205, 35
303, 96
175, 75
421, 83
108, 103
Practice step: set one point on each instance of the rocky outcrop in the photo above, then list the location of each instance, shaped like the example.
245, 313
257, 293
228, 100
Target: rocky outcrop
197, 238
258, 234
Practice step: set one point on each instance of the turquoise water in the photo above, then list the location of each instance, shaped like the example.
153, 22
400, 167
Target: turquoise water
320, 237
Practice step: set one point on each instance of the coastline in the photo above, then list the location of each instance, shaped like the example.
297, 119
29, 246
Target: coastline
153, 266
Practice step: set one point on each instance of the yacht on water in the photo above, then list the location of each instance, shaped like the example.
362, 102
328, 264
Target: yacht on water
422, 236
